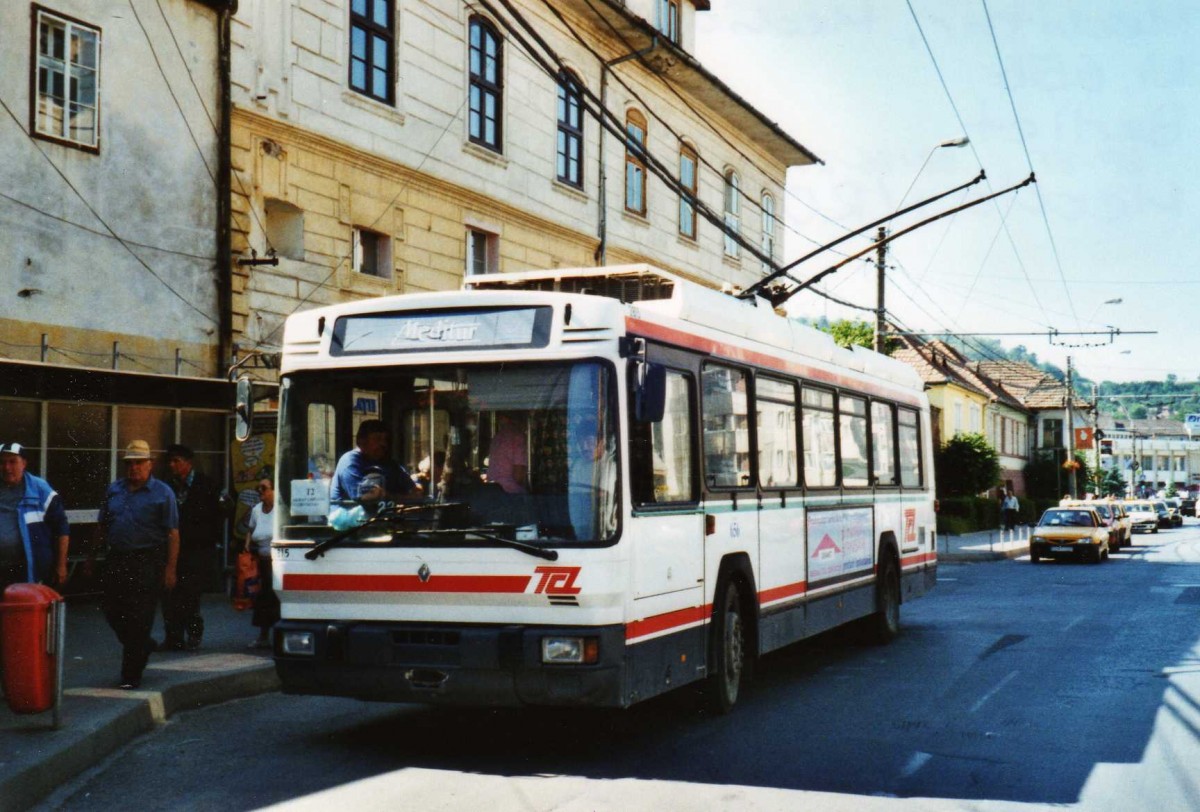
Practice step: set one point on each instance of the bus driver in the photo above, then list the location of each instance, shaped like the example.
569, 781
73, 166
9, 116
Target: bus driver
370, 457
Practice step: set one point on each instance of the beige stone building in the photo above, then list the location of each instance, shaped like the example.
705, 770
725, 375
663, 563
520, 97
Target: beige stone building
392, 147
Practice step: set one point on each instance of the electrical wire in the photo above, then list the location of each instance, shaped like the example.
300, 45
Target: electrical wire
682, 100
1029, 161
101, 220
974, 151
100, 233
614, 125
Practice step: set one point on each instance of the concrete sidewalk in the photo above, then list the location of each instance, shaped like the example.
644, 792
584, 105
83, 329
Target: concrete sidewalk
98, 718
985, 545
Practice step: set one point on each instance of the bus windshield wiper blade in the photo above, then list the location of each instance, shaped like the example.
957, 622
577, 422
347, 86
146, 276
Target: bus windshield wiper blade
397, 512
540, 552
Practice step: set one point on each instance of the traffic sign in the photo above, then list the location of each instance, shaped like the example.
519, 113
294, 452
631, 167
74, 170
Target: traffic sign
1192, 421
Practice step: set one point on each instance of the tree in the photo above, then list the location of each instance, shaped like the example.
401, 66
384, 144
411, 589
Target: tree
966, 465
848, 333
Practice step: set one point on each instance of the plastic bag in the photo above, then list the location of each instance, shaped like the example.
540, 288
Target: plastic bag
248, 583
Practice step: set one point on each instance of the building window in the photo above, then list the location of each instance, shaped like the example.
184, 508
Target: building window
66, 106
768, 231
483, 252
372, 32
1052, 433
486, 99
635, 162
733, 206
284, 227
570, 130
372, 254
687, 194
668, 19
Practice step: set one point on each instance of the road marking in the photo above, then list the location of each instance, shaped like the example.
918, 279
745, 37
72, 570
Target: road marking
1074, 623
993, 692
915, 763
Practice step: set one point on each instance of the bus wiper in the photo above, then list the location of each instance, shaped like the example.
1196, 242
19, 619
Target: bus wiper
396, 512
540, 552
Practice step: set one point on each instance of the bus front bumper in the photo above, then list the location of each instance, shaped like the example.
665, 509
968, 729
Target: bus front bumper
447, 664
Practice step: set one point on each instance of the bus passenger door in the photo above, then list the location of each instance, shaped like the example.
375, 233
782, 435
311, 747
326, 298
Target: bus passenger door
666, 530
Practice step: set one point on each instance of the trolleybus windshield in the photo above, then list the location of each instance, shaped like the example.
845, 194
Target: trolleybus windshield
518, 452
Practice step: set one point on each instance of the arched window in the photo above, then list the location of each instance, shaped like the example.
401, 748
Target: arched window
635, 162
486, 86
768, 228
688, 162
570, 130
733, 206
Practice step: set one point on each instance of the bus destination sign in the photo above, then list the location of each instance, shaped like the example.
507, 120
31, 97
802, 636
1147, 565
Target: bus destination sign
423, 331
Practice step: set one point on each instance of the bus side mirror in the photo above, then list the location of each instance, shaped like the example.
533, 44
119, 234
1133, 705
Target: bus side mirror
650, 397
244, 411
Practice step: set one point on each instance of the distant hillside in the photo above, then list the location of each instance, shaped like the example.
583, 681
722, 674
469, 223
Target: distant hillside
1138, 400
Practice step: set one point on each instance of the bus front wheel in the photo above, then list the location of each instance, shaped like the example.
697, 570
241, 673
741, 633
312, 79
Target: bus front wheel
728, 650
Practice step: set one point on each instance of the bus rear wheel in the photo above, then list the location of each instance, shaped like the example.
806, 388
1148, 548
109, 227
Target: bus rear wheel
884, 626
728, 650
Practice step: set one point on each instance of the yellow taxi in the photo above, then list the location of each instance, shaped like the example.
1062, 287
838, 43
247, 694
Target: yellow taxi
1070, 532
1120, 528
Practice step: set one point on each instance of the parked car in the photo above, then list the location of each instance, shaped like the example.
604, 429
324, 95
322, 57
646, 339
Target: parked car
1175, 505
1143, 517
1112, 514
1165, 519
1187, 506
1069, 531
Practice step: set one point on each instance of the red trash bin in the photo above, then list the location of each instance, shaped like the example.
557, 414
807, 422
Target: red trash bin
28, 635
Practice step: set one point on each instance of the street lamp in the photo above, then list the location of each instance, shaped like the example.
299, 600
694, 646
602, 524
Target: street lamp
881, 252
953, 143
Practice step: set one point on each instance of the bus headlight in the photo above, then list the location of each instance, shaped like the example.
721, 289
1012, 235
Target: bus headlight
570, 650
300, 643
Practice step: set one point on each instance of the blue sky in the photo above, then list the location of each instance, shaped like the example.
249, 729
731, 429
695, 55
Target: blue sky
1106, 95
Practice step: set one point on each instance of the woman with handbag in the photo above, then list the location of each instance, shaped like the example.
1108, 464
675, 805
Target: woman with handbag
258, 542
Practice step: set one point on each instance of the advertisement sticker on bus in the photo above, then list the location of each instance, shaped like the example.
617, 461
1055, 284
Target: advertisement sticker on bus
839, 543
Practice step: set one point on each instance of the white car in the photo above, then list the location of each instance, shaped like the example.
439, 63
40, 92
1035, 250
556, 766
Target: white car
1143, 516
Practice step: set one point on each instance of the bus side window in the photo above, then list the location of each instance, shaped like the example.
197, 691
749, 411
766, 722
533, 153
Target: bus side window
661, 455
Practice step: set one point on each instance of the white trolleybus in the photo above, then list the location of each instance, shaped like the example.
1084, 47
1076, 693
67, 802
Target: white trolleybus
633, 483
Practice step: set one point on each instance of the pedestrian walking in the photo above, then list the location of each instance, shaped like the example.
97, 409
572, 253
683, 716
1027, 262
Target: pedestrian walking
200, 517
34, 531
139, 529
258, 542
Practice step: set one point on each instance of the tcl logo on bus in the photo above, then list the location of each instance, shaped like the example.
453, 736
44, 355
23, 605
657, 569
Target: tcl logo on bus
557, 580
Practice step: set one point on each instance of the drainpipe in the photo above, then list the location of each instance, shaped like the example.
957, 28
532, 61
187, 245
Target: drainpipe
224, 190
602, 226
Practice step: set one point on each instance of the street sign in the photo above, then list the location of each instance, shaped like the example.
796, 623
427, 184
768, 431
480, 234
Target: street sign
1192, 422
1083, 438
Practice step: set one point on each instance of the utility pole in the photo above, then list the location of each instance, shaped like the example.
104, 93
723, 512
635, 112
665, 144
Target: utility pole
1100, 479
880, 256
1070, 434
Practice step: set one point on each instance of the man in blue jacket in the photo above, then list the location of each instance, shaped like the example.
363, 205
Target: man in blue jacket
34, 533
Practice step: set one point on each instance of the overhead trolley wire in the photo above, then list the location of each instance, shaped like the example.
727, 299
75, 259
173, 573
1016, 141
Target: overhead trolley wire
1029, 162
971, 143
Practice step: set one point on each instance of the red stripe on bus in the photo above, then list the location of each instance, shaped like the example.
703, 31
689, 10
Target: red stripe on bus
405, 583
667, 621
780, 592
919, 558
747, 356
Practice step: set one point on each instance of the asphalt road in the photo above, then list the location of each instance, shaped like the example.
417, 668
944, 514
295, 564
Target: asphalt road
1012, 684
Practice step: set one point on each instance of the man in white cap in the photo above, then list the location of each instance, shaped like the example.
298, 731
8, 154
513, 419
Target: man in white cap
139, 525
34, 532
